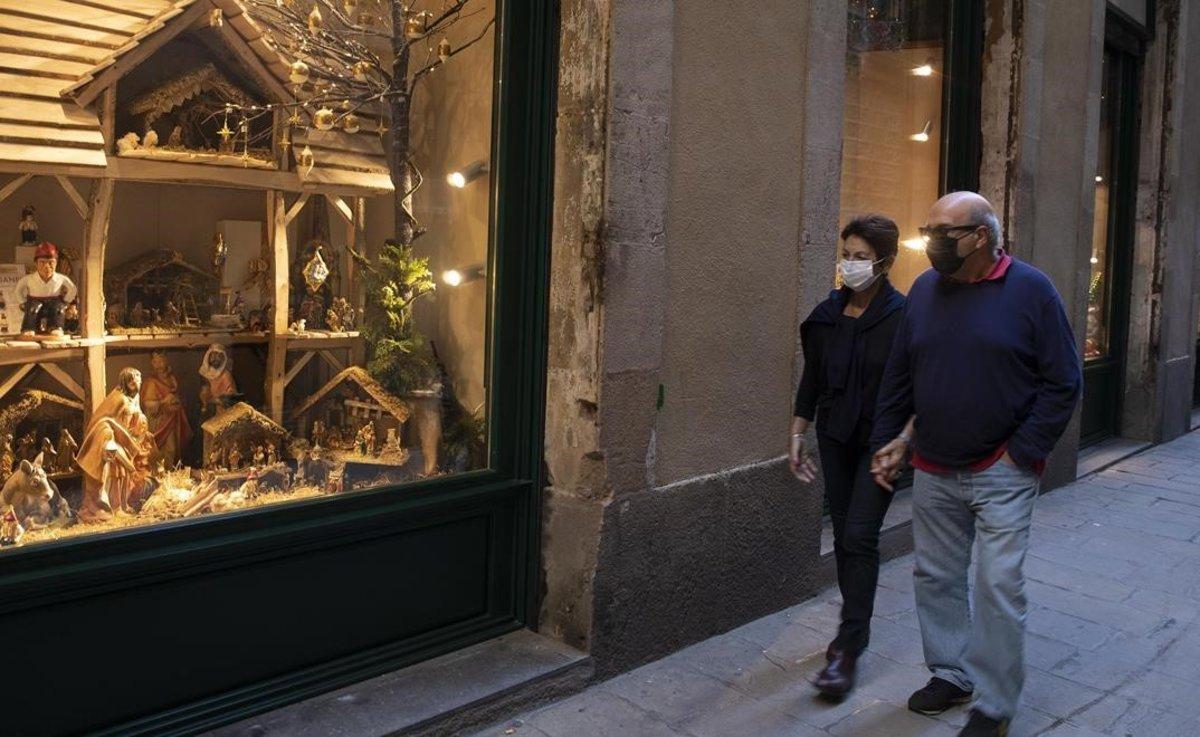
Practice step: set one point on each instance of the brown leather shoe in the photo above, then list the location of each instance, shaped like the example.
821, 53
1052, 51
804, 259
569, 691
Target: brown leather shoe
836, 679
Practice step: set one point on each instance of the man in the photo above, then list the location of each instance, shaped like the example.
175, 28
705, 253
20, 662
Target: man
44, 294
115, 452
985, 372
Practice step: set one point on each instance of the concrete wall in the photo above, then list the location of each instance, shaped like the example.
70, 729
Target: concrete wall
698, 526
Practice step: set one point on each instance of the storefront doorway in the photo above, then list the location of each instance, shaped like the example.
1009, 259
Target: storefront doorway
1112, 236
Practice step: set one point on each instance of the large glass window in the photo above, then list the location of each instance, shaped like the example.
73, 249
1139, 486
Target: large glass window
297, 307
1099, 313
895, 118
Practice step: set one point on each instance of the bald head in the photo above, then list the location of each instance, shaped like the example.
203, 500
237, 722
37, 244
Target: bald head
966, 208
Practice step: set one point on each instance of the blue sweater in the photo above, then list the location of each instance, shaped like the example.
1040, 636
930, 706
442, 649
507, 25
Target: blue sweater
981, 365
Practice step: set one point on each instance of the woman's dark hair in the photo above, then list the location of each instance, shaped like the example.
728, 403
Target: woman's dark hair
878, 231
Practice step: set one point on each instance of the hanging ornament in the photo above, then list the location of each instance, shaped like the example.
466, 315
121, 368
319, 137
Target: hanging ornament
414, 25
444, 50
315, 21
307, 160
294, 119
300, 72
351, 8
315, 271
360, 70
381, 129
323, 119
350, 123
285, 142
226, 133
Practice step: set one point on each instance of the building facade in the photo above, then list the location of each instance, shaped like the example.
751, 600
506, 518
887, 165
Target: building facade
627, 206
722, 149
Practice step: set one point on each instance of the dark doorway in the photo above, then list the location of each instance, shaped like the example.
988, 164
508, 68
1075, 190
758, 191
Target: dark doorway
1112, 237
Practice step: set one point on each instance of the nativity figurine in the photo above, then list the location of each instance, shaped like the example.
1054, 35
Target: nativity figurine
115, 453
11, 530
29, 226
67, 448
164, 408
220, 389
44, 294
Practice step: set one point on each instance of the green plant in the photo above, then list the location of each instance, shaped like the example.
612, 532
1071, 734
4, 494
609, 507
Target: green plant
465, 441
398, 356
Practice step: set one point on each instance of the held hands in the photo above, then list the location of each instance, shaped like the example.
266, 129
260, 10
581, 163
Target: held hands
799, 460
888, 461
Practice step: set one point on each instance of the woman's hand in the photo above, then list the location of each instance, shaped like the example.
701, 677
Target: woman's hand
799, 461
887, 462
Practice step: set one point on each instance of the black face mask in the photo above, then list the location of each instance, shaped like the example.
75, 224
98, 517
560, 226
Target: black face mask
943, 255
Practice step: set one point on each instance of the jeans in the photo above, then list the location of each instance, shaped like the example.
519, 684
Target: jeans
857, 506
980, 645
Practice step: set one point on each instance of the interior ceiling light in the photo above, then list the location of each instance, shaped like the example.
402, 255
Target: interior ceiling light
925, 70
923, 135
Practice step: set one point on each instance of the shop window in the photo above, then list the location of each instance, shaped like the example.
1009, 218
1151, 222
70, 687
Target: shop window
910, 114
264, 323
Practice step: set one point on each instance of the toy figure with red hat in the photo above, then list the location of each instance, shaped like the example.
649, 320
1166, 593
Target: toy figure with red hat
44, 294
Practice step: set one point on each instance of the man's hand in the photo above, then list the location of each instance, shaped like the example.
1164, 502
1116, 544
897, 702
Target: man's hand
799, 461
888, 461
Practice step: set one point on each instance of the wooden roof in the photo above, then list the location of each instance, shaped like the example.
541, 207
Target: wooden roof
56, 56
357, 375
241, 414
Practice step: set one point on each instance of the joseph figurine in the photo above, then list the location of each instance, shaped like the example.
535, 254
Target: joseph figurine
115, 453
164, 408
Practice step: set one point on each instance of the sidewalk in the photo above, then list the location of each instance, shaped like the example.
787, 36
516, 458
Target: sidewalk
1113, 645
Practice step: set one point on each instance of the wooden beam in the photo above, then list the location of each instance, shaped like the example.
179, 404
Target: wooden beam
14, 378
296, 208
276, 369
81, 205
11, 188
108, 117
65, 379
253, 64
341, 208
332, 360
95, 243
295, 369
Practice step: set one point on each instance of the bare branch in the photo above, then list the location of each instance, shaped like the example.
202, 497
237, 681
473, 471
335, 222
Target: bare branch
425, 71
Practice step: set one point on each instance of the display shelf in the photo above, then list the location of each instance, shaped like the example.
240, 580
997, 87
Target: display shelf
185, 339
19, 352
318, 339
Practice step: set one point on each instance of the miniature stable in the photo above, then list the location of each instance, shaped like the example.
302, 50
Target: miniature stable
194, 377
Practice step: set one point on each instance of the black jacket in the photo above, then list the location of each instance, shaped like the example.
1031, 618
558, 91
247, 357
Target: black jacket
844, 359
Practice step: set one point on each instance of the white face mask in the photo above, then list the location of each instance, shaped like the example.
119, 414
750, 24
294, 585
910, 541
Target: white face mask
858, 275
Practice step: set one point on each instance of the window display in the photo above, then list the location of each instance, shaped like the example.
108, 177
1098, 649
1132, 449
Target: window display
892, 124
281, 289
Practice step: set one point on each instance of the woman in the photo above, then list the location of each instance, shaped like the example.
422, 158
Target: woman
846, 342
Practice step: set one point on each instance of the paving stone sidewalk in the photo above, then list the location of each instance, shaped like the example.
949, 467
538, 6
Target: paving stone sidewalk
1113, 646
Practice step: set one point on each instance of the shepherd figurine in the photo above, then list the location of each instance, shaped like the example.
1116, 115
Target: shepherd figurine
44, 294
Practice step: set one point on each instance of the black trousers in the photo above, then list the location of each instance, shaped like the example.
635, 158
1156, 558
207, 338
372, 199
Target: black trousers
857, 506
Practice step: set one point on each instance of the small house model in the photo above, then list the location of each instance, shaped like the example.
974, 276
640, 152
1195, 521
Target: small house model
348, 401
41, 415
157, 279
244, 428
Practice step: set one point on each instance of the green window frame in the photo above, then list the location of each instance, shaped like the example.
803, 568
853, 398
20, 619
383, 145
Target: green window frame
217, 565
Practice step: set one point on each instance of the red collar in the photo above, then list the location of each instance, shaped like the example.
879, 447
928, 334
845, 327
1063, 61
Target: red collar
999, 269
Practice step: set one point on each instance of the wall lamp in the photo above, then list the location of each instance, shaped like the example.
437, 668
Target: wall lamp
469, 173
923, 135
455, 277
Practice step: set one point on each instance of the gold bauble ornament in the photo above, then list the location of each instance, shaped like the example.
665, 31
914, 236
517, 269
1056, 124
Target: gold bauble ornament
315, 21
323, 119
360, 70
415, 25
299, 73
306, 160
351, 7
350, 123
444, 50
